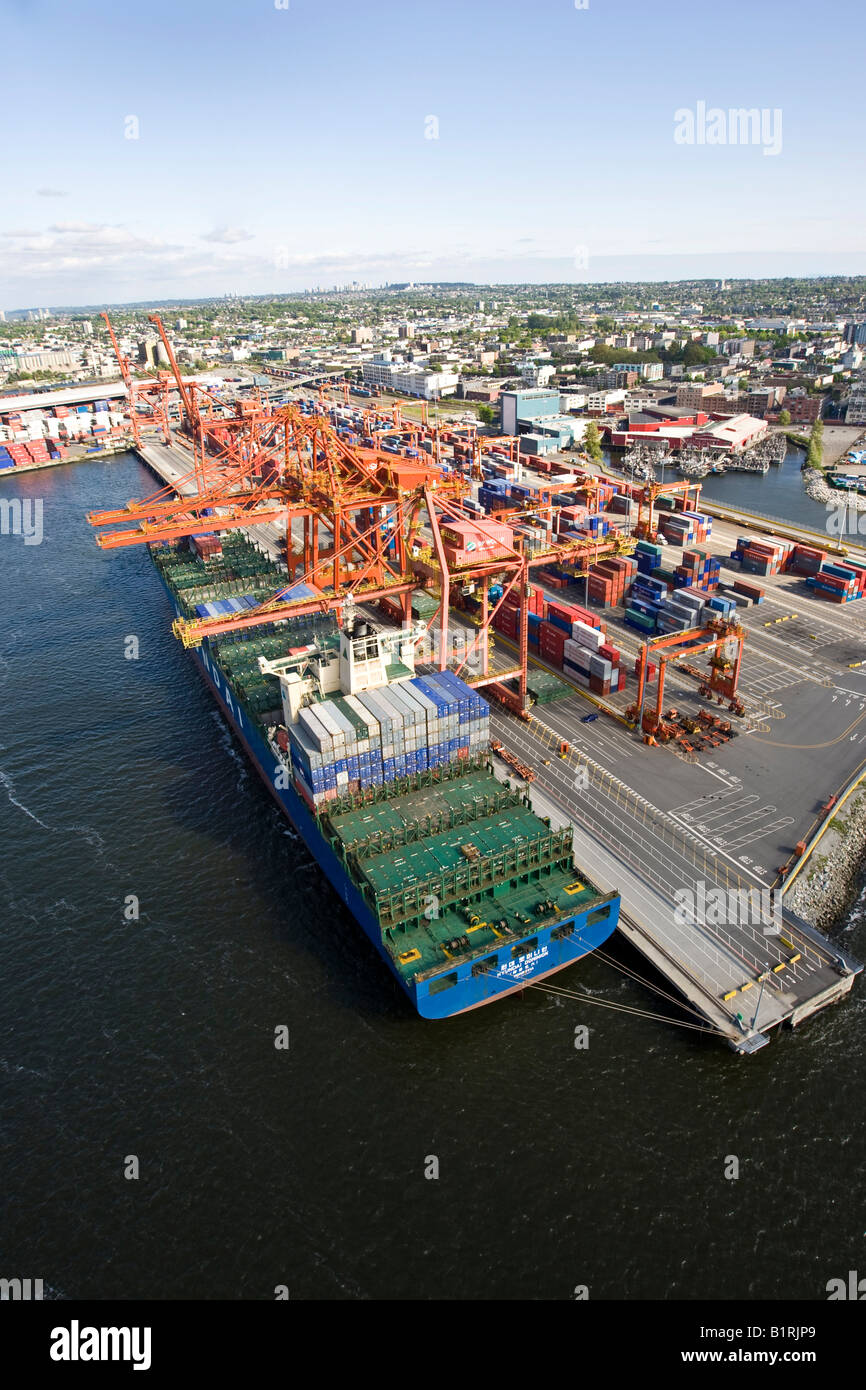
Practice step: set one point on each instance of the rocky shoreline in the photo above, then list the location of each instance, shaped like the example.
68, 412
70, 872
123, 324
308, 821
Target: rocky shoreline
819, 490
827, 886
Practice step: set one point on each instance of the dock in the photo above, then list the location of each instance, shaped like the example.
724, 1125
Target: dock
743, 981
171, 463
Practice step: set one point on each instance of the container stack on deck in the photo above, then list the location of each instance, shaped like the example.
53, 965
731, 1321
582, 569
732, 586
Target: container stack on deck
239, 575
351, 742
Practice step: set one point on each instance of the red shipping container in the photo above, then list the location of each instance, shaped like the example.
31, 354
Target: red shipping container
552, 638
583, 615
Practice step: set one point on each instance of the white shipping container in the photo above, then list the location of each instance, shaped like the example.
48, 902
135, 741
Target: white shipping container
586, 635
316, 730
338, 737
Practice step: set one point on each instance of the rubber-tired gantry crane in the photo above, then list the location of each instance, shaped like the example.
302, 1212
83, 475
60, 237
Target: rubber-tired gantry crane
724, 637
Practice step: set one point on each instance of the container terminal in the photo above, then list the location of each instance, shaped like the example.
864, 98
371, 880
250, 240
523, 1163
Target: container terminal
661, 705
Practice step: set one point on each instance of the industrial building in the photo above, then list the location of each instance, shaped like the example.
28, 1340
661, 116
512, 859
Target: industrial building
736, 433
523, 407
393, 374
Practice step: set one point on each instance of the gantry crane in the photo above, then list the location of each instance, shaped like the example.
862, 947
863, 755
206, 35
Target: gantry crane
717, 635
645, 527
150, 397
371, 521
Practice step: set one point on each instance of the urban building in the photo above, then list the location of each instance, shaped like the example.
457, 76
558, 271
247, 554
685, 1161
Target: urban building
739, 347
803, 409
651, 371
393, 374
856, 411
521, 407
698, 392
764, 400
602, 402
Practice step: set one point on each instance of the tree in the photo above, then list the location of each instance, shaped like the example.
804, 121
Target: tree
815, 451
785, 417
592, 442
486, 415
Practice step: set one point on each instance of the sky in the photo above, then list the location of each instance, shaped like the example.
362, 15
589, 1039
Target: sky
206, 147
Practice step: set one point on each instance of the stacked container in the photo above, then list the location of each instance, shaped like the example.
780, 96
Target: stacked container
648, 556
762, 556
680, 611
551, 642
699, 570
351, 742
592, 663
838, 583
806, 560
595, 526
606, 584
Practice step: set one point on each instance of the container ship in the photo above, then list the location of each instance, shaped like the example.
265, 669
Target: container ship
387, 776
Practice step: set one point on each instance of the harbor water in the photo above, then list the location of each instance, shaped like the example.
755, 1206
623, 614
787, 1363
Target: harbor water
161, 922
778, 493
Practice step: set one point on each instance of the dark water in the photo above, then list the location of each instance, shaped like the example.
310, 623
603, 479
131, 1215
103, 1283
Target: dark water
306, 1168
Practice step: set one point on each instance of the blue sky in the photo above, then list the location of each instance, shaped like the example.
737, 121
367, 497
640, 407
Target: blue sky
279, 149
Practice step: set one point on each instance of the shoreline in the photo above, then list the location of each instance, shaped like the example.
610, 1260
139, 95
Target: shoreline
115, 447
831, 881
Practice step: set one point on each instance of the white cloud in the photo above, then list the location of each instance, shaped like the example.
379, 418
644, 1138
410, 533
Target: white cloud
51, 193
75, 227
228, 236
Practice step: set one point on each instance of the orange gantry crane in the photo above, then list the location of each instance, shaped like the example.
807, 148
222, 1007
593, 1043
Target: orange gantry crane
645, 527
147, 400
718, 636
361, 523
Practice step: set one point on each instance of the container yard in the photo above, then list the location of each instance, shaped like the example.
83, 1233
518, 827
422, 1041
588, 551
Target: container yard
611, 653
43, 429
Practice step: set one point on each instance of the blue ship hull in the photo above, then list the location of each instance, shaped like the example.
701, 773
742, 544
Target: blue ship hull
468, 990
